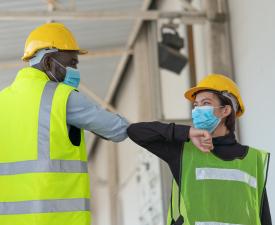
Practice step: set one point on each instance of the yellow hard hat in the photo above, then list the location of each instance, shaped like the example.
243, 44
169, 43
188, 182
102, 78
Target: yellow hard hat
220, 83
50, 35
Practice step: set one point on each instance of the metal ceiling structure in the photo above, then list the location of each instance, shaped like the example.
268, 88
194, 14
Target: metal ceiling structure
107, 28
108, 41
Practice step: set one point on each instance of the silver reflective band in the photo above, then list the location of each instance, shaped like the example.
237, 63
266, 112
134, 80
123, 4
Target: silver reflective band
40, 166
44, 120
215, 223
225, 174
45, 206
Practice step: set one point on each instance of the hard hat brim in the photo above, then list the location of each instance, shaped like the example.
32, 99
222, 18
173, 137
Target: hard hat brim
190, 94
82, 51
26, 57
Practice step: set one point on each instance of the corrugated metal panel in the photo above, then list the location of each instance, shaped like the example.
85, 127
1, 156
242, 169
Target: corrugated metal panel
94, 5
101, 34
108, 4
23, 5
92, 35
12, 38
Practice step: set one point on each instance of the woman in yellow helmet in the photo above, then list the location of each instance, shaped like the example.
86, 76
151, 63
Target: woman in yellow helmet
219, 180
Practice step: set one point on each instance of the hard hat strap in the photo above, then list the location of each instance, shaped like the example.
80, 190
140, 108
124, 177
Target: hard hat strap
233, 100
225, 94
39, 55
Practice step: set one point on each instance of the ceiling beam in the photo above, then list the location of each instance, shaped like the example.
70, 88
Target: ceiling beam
92, 54
124, 59
194, 17
105, 53
121, 65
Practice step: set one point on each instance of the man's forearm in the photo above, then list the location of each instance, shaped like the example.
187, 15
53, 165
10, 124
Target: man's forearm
85, 114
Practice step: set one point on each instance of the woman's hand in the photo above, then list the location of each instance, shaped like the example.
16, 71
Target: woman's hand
202, 139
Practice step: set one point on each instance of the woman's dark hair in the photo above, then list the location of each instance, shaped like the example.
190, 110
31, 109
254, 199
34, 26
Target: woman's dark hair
231, 118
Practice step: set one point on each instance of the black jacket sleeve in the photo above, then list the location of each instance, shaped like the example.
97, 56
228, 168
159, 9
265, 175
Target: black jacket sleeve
163, 140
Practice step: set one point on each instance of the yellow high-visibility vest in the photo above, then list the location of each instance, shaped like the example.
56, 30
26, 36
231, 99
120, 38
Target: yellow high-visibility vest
43, 176
218, 192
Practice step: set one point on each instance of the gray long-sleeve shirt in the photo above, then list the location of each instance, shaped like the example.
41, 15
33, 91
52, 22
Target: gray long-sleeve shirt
85, 114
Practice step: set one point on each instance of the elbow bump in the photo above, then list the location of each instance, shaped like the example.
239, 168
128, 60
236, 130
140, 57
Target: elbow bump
129, 130
119, 139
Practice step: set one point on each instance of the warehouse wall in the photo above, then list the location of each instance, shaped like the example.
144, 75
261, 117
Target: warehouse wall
139, 192
128, 152
135, 197
175, 106
100, 197
126, 164
253, 35
253, 52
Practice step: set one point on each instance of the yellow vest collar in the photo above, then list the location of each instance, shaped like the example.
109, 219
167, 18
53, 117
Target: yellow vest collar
31, 72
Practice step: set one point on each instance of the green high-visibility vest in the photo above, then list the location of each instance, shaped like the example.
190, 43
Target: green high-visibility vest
218, 192
43, 176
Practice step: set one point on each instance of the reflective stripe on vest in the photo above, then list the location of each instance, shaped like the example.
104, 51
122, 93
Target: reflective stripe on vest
44, 206
215, 223
225, 174
43, 165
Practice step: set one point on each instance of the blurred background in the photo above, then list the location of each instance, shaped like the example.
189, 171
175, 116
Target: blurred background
132, 69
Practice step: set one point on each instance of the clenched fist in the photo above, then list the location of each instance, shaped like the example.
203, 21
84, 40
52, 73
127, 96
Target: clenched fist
202, 139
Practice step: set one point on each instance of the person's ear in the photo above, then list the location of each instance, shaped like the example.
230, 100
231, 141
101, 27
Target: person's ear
227, 109
46, 62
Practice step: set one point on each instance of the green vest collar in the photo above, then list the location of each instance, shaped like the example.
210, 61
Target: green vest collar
33, 73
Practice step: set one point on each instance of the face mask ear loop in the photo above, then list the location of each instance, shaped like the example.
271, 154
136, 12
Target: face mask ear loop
222, 106
216, 107
59, 65
53, 77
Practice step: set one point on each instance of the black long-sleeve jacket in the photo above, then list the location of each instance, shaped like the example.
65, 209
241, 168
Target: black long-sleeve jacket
166, 141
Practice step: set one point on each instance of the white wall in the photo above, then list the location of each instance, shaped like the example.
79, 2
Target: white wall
127, 163
100, 194
253, 38
175, 106
139, 194
128, 152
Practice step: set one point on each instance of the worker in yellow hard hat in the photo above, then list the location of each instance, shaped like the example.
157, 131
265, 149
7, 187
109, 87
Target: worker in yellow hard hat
43, 161
217, 180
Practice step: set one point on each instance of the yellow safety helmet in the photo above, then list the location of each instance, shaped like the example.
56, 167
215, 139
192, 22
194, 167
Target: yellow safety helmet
220, 83
50, 35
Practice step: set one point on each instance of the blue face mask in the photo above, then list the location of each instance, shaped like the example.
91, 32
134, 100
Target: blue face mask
72, 76
204, 118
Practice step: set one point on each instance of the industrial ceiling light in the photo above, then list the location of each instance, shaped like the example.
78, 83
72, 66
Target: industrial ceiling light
169, 48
